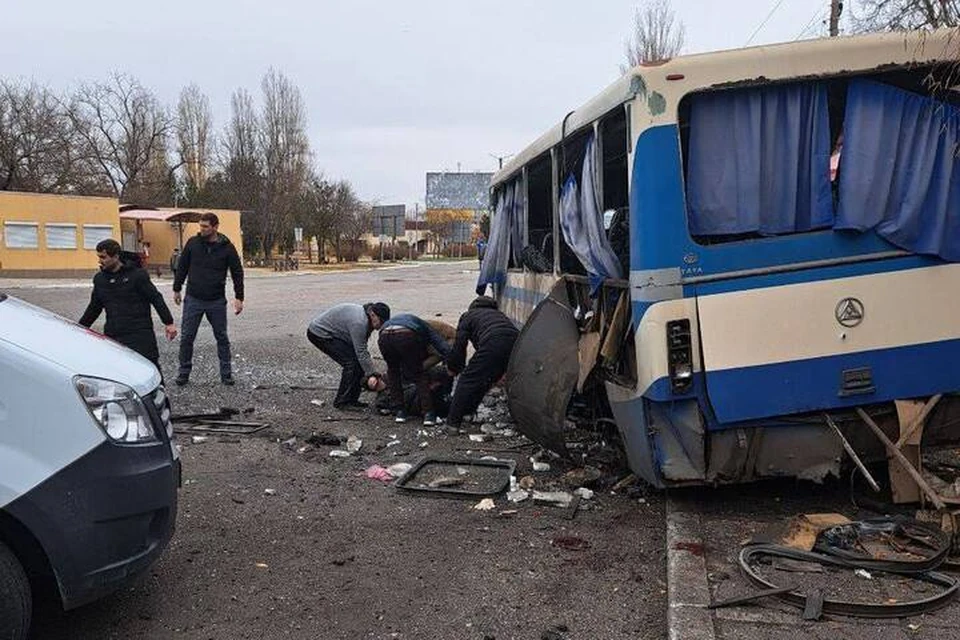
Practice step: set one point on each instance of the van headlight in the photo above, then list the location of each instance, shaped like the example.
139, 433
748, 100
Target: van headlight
119, 410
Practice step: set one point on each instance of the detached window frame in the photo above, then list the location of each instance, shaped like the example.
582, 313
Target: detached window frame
60, 236
94, 233
21, 235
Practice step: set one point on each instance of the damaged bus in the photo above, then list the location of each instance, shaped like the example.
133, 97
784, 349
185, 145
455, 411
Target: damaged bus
728, 255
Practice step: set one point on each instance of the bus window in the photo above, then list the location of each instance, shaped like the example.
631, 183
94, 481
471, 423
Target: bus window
616, 204
781, 175
540, 208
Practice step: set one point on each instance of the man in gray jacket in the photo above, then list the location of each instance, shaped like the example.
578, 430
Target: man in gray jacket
342, 332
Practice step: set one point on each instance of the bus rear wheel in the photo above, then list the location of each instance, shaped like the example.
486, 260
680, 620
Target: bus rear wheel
15, 601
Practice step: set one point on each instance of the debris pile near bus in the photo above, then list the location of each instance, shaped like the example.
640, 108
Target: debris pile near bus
883, 567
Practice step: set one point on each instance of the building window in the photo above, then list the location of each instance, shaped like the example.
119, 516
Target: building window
61, 236
94, 233
21, 235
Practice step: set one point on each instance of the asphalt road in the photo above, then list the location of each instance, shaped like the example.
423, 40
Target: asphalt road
328, 553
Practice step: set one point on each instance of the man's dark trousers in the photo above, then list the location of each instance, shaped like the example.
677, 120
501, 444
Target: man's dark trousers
486, 366
343, 353
404, 351
194, 310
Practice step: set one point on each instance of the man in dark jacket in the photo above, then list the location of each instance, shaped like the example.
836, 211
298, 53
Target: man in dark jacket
342, 332
492, 334
403, 341
125, 291
203, 264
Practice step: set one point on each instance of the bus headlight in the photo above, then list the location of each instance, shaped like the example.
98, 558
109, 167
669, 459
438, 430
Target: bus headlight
118, 409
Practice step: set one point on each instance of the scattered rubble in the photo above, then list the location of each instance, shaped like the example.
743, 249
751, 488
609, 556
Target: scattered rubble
555, 498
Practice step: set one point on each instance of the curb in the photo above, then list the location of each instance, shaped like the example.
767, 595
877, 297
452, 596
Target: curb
687, 591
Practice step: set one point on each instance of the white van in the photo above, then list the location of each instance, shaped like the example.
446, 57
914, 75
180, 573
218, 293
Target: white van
89, 472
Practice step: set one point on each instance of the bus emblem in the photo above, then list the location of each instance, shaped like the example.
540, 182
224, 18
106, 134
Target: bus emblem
849, 312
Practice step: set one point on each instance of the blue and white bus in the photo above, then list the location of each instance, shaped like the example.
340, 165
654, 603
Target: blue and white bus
736, 248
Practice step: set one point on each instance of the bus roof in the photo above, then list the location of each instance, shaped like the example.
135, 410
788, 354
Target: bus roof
808, 58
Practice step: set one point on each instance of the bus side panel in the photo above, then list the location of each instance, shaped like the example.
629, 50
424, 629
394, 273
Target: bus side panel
824, 344
523, 292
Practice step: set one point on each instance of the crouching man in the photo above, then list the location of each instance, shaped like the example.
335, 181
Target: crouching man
492, 335
342, 332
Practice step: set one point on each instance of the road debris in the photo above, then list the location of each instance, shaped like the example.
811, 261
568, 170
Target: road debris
584, 493
340, 453
541, 467
518, 496
486, 504
319, 403
270, 492
323, 439
199, 439
400, 468
555, 498
354, 444
861, 573
376, 472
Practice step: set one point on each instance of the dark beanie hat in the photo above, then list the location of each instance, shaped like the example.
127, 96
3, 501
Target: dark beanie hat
381, 310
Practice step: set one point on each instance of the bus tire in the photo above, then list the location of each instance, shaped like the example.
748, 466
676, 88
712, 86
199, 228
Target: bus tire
15, 600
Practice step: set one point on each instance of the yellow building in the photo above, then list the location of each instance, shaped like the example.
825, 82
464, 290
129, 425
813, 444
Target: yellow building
162, 231
51, 235
44, 235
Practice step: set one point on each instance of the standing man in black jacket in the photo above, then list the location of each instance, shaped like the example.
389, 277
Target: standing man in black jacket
492, 334
125, 291
203, 264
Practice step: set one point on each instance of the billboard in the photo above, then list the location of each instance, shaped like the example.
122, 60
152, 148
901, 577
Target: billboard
388, 220
458, 191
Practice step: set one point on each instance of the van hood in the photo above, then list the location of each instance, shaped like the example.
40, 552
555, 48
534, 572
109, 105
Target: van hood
78, 350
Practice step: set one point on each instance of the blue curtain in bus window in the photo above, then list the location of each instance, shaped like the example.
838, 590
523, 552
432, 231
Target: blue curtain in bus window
493, 270
759, 161
582, 221
900, 170
519, 214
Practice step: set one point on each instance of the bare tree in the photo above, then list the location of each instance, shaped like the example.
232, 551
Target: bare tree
286, 154
194, 138
899, 15
657, 35
36, 147
122, 131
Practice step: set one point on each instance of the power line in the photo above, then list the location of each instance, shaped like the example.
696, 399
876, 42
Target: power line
765, 21
819, 16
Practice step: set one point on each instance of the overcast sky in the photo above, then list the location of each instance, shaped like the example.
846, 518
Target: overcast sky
393, 88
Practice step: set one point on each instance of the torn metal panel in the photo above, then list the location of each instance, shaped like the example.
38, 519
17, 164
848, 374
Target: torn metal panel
678, 430
629, 411
808, 452
543, 372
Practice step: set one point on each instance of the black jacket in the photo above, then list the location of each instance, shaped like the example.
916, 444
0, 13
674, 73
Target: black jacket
482, 324
127, 296
206, 264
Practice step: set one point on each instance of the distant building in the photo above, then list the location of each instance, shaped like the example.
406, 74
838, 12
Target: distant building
44, 235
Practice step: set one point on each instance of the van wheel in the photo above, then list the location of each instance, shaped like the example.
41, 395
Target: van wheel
15, 601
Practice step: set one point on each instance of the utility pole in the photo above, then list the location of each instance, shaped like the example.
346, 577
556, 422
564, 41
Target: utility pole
836, 8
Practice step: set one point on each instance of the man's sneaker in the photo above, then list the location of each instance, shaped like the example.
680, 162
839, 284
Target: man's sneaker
401, 416
182, 380
228, 380
430, 420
